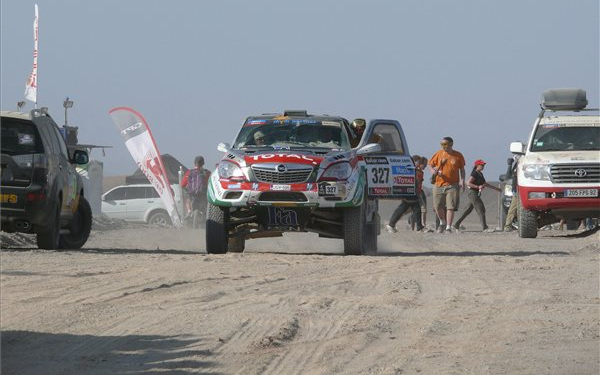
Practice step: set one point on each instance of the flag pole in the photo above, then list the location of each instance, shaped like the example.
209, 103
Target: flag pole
32, 82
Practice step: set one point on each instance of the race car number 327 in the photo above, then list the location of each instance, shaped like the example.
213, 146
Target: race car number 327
327, 189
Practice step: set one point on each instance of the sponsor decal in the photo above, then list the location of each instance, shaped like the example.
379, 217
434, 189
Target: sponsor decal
283, 156
282, 217
404, 180
402, 170
394, 159
281, 187
309, 186
404, 190
256, 122
375, 160
379, 190
234, 186
131, 128
254, 186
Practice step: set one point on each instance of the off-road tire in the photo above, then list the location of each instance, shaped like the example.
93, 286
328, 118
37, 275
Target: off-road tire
80, 227
355, 230
217, 241
373, 229
160, 218
527, 223
48, 236
237, 244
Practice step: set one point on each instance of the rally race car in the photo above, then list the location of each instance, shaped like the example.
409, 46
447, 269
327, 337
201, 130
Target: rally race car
296, 172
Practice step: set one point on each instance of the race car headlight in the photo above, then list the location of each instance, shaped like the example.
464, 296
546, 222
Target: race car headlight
339, 171
537, 171
230, 171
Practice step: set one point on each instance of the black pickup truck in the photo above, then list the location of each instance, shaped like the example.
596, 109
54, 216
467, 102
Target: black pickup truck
41, 192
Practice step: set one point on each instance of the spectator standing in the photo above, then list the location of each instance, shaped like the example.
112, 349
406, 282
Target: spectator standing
195, 181
421, 165
512, 208
476, 184
448, 168
414, 206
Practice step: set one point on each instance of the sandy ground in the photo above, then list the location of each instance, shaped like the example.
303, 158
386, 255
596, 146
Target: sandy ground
140, 300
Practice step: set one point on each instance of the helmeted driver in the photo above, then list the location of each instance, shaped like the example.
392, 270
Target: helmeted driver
358, 126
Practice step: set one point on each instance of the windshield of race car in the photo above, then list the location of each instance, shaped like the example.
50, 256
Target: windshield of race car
293, 133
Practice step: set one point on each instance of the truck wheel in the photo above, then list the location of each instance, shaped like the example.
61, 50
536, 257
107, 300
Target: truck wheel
216, 230
160, 218
237, 244
80, 227
354, 230
47, 237
527, 223
372, 233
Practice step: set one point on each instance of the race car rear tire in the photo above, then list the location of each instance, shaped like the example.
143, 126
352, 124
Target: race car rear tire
527, 223
217, 241
354, 230
48, 237
237, 244
80, 227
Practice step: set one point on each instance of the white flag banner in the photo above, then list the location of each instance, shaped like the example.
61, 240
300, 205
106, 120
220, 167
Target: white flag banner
141, 145
32, 81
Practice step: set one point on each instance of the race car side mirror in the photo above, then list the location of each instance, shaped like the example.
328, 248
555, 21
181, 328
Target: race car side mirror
517, 148
370, 148
223, 147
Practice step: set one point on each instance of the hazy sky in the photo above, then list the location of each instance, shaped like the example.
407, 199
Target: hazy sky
471, 69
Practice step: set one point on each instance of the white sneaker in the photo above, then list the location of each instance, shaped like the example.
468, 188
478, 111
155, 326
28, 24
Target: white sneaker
390, 229
489, 230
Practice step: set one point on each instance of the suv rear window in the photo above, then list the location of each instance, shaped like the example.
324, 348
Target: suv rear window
20, 137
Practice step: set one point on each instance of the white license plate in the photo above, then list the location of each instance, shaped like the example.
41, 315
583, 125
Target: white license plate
281, 187
583, 193
327, 190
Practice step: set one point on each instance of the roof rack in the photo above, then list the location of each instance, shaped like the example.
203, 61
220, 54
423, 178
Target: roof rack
295, 112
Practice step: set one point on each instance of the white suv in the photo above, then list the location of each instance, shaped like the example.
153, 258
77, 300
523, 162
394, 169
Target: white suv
138, 203
558, 176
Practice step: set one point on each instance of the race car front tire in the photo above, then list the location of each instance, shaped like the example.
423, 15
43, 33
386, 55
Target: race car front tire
217, 241
354, 230
528, 227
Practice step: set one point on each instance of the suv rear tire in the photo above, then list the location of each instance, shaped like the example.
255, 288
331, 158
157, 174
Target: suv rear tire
80, 227
48, 237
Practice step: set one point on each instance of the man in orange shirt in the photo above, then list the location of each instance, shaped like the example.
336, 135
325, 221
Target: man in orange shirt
448, 167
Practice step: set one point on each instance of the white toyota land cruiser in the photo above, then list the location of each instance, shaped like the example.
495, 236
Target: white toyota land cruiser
558, 175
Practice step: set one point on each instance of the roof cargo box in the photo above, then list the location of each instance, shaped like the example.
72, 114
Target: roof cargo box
564, 99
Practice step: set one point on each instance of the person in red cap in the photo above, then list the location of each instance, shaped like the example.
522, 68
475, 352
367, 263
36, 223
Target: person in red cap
476, 184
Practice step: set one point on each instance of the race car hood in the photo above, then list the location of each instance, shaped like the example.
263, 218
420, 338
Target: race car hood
283, 157
560, 157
